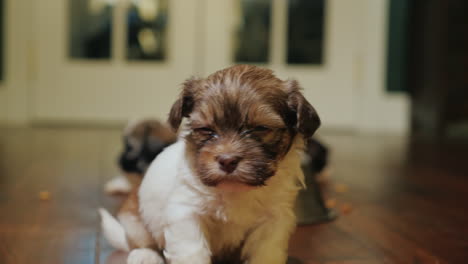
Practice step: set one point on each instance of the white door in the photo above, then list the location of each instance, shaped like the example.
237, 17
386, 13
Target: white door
69, 88
329, 85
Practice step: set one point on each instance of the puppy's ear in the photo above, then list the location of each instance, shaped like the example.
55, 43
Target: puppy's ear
183, 106
307, 120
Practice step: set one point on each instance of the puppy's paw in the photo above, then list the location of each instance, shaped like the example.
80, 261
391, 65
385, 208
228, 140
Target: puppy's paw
144, 256
201, 257
118, 185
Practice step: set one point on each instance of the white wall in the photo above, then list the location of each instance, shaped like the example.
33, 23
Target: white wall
14, 87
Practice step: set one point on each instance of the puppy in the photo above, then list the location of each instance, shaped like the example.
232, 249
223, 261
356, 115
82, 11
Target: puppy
316, 160
224, 193
143, 141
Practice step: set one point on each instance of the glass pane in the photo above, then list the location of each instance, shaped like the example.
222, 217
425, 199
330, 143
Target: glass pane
147, 30
252, 35
90, 28
305, 31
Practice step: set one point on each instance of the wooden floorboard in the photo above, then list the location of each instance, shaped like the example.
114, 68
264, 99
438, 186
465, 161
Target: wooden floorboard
409, 201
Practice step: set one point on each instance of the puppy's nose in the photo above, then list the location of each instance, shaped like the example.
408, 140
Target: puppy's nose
228, 163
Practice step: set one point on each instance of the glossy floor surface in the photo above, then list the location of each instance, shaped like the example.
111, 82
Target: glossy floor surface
398, 202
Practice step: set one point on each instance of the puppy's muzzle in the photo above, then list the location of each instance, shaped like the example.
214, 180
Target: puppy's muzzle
228, 163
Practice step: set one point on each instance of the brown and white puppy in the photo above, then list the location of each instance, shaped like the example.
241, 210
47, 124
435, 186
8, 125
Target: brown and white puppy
225, 192
143, 140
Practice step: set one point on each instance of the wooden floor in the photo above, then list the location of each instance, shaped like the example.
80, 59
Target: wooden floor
409, 202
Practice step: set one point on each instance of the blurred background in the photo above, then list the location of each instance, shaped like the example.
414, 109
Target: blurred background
389, 79
105, 61
367, 65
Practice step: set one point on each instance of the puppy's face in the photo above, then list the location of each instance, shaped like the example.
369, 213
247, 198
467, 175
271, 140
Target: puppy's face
237, 138
143, 141
242, 121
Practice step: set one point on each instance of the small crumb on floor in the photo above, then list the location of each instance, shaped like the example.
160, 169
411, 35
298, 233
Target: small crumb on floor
346, 208
44, 196
330, 203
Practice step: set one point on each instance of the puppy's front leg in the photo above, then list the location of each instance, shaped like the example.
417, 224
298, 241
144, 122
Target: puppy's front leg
186, 243
269, 242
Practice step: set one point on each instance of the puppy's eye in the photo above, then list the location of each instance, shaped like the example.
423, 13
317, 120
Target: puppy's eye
261, 129
205, 131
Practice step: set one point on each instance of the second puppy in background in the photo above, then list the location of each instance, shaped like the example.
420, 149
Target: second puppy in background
143, 140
